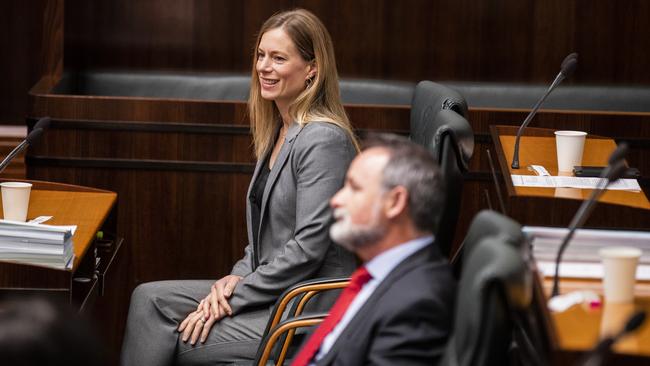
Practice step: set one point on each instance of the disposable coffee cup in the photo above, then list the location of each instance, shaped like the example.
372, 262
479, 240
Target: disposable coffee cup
570, 145
15, 200
619, 273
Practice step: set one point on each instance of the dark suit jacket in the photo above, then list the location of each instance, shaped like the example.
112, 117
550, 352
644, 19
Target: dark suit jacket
406, 321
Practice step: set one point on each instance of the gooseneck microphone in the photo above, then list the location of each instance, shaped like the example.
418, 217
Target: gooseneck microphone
566, 69
615, 169
36, 133
599, 354
42, 123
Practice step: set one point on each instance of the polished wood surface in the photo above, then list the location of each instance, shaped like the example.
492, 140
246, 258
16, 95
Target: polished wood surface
579, 328
86, 209
541, 150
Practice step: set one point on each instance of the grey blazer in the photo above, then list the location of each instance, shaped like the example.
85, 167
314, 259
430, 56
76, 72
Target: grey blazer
294, 242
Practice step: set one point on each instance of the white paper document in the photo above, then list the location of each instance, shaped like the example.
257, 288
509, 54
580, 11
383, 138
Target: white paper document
585, 270
581, 259
571, 182
38, 244
539, 170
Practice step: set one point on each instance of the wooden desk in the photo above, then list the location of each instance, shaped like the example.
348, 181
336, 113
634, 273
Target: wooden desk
556, 206
69, 205
578, 329
540, 149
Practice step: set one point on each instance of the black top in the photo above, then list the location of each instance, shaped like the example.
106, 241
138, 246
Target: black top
257, 195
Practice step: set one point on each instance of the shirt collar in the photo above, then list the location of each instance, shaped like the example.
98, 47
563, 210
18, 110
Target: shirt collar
380, 266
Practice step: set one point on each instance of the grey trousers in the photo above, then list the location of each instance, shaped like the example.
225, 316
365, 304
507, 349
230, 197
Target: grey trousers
157, 308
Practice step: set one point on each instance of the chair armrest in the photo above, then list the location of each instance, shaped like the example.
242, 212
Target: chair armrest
307, 288
288, 325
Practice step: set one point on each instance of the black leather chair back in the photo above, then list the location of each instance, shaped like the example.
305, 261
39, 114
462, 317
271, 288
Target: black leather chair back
496, 283
438, 122
486, 223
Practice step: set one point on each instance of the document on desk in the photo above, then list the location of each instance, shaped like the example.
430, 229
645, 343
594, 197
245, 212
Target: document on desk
571, 182
45, 245
581, 259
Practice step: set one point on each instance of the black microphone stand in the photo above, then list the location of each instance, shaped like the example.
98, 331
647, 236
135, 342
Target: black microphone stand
611, 174
568, 66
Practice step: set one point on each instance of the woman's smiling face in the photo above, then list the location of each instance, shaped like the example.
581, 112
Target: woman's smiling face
281, 69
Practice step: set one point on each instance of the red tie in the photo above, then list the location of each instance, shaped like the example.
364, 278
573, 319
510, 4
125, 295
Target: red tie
359, 278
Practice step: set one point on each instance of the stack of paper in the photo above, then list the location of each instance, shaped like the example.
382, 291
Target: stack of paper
38, 244
581, 259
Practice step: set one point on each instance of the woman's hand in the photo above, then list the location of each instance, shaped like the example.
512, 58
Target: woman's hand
210, 310
195, 325
220, 293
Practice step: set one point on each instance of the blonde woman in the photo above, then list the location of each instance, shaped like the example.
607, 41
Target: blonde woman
304, 144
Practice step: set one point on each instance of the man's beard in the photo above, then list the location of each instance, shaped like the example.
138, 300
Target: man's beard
353, 236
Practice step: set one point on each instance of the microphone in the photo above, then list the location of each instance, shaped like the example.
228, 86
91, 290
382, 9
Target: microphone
599, 353
566, 69
42, 123
567, 61
28, 141
615, 169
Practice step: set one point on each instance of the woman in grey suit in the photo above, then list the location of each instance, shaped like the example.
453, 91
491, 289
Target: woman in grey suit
304, 144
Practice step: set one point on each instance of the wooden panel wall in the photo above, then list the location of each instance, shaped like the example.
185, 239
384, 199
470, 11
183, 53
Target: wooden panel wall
31, 44
487, 40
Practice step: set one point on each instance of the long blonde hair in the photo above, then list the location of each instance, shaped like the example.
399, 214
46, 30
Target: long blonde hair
320, 101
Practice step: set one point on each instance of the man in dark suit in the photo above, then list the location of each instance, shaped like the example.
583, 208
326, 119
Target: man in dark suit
397, 309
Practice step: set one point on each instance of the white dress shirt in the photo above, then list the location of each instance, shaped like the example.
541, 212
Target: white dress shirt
378, 267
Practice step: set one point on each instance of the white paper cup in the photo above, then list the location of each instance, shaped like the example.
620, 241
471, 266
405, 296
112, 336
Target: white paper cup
570, 145
619, 273
15, 200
